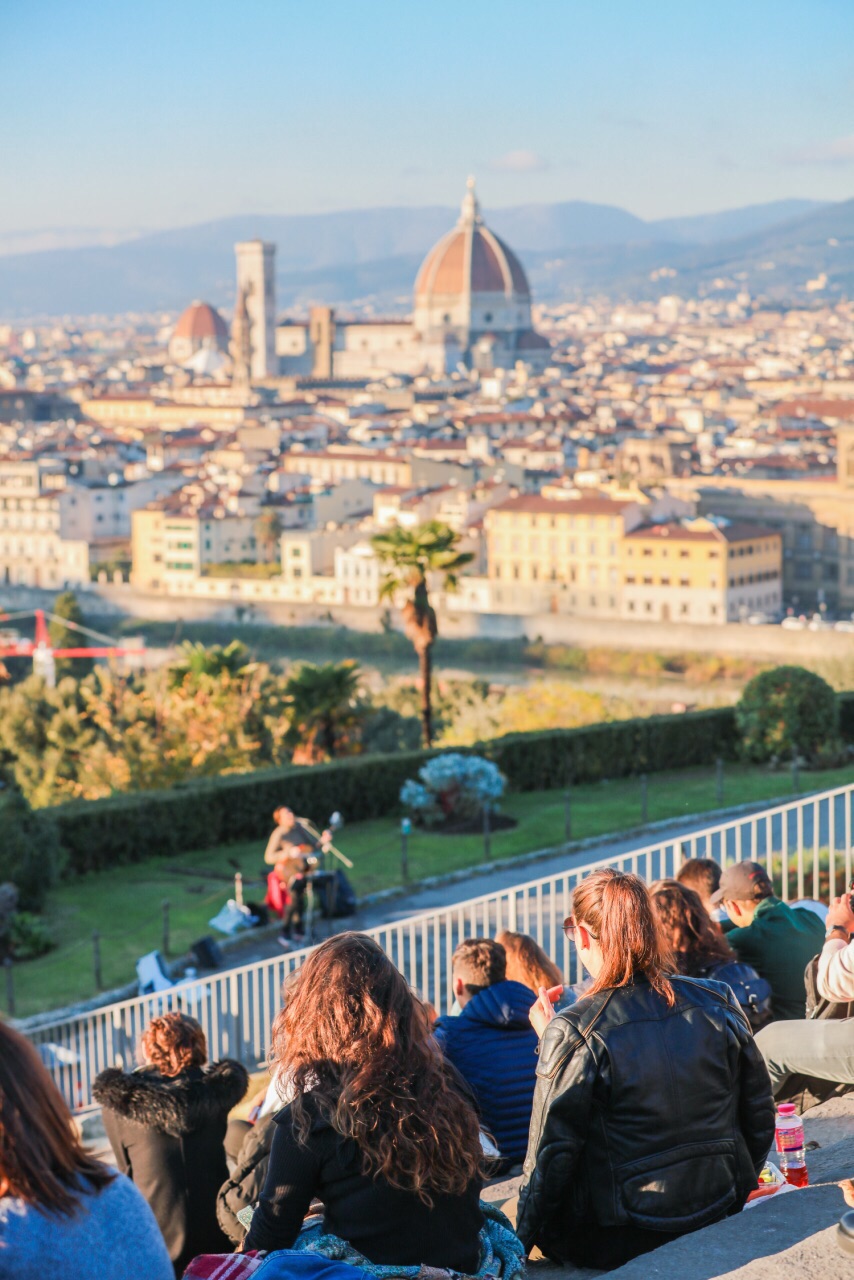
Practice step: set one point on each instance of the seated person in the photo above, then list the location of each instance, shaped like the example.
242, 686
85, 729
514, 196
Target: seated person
491, 1043
819, 1048
378, 1127
703, 875
528, 963
653, 1113
776, 939
62, 1212
701, 951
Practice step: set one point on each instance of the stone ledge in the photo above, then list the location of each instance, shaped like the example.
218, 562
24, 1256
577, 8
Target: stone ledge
790, 1238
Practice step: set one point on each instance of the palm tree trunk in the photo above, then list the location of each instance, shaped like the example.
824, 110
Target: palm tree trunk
425, 666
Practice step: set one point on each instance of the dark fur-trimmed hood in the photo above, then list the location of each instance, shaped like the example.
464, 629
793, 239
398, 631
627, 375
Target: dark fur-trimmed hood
177, 1105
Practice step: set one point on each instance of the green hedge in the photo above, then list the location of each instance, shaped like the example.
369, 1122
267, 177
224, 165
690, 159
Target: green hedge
197, 815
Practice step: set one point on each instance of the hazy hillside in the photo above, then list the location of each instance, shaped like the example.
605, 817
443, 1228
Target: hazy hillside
568, 248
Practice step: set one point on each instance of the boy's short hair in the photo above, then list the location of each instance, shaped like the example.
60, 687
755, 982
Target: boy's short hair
480, 962
703, 875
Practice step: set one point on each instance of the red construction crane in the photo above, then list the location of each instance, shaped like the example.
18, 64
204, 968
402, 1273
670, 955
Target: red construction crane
41, 650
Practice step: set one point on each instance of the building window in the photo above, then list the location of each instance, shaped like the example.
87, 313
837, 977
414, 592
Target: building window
665, 582
684, 582
683, 555
683, 609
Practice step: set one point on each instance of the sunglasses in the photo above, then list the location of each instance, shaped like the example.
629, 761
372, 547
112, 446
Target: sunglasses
570, 925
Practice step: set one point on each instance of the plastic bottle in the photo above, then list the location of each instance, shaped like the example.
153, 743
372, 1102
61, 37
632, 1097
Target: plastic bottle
789, 1141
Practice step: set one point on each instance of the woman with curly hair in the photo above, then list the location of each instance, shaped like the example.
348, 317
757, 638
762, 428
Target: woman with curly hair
166, 1123
378, 1126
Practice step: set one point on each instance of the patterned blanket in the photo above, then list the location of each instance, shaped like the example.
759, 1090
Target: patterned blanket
317, 1255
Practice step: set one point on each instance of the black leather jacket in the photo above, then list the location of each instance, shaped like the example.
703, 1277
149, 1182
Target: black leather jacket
645, 1115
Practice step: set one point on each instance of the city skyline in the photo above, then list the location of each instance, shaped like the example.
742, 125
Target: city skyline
129, 119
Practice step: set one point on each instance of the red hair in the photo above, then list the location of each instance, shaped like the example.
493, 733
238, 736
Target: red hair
354, 1037
173, 1043
618, 910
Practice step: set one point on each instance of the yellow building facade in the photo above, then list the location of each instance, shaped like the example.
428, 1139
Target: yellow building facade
700, 571
558, 555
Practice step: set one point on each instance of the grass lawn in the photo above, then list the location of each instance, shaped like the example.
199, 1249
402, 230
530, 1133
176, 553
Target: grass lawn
125, 904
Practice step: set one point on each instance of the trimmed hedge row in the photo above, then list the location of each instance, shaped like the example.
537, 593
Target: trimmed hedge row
845, 702
195, 815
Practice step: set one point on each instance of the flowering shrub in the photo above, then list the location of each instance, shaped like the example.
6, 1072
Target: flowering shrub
453, 788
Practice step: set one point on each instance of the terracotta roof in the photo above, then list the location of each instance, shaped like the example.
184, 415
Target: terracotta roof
737, 531
535, 504
492, 266
813, 409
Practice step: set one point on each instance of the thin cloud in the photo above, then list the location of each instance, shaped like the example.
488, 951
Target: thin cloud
519, 162
837, 151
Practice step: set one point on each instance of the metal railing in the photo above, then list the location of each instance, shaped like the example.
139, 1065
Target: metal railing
806, 846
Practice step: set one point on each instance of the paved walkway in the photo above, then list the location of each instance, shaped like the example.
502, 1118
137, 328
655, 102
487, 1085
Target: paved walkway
482, 880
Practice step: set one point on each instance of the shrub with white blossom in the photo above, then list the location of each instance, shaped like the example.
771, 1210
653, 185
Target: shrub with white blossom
453, 788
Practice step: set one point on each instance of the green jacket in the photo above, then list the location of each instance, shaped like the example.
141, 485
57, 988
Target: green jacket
779, 944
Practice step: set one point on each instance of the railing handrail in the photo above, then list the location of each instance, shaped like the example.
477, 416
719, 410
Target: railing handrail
237, 1005
429, 914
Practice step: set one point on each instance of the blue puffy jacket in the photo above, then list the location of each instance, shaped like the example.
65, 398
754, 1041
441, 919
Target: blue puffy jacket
494, 1047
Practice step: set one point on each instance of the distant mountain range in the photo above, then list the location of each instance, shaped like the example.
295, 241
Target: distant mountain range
372, 255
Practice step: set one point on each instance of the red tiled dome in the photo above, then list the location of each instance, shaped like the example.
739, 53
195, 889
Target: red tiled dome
471, 258
199, 321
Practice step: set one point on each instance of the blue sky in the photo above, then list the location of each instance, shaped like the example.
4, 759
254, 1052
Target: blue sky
155, 114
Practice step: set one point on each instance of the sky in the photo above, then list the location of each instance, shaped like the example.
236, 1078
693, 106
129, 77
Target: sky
153, 114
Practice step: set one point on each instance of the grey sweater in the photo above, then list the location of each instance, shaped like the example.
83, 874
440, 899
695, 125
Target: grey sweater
112, 1236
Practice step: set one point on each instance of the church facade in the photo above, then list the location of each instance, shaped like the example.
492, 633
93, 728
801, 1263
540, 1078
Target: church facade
472, 308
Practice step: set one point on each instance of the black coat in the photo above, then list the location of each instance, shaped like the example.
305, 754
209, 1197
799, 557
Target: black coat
647, 1118
246, 1183
167, 1135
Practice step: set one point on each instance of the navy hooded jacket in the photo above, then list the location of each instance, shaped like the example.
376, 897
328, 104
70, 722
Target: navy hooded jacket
494, 1047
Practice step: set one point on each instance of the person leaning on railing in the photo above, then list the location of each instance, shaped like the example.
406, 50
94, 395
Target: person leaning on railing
820, 1047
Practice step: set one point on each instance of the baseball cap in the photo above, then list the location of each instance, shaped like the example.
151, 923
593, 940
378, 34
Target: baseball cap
743, 882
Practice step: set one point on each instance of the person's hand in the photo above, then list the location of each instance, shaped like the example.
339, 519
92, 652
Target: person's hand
840, 913
848, 1191
325, 839
543, 1011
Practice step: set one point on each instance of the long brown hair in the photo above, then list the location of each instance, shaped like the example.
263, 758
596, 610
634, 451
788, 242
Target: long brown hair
618, 910
353, 1036
173, 1043
41, 1158
528, 963
693, 939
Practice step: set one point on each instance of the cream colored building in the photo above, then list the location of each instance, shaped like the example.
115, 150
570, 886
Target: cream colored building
348, 464
558, 555
172, 542
814, 517
36, 511
700, 571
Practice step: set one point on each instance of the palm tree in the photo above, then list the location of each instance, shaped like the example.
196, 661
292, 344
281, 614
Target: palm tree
410, 555
196, 660
324, 706
268, 531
